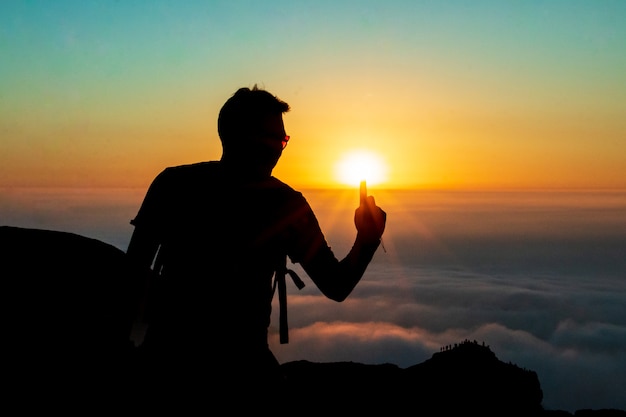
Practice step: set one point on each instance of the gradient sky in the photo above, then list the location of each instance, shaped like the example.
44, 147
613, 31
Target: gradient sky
448, 94
455, 94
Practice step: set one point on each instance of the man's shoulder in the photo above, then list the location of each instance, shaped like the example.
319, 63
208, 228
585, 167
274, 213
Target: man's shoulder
275, 182
193, 168
179, 177
283, 187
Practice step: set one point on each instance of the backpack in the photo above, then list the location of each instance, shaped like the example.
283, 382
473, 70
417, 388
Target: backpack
279, 281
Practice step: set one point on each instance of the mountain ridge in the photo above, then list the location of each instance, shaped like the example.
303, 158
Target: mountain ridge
462, 378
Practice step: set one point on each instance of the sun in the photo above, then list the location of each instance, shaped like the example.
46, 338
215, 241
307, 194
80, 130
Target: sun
358, 165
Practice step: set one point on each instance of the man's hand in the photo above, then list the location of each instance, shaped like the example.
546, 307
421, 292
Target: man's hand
369, 219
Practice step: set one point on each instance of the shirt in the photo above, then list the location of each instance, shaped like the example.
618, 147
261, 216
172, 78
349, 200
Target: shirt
221, 238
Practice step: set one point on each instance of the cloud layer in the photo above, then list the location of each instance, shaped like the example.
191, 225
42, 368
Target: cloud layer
570, 332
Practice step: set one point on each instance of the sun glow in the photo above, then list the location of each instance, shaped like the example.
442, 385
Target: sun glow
359, 165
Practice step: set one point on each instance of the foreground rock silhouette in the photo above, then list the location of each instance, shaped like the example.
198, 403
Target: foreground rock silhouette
70, 303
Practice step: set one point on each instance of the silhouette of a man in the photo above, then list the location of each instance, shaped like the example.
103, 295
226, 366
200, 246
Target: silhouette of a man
214, 233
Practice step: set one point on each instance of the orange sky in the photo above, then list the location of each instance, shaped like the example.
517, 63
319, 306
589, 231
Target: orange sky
499, 96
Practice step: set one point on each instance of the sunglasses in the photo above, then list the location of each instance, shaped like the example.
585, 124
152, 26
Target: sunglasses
268, 137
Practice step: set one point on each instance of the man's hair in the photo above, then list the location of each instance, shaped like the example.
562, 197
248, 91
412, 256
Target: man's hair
244, 110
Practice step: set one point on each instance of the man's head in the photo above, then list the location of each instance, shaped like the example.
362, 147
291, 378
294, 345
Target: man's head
250, 126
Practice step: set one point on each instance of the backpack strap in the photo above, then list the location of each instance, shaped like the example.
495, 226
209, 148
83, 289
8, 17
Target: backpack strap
279, 281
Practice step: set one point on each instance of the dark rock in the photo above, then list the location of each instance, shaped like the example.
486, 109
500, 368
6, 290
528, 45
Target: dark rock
466, 378
70, 303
